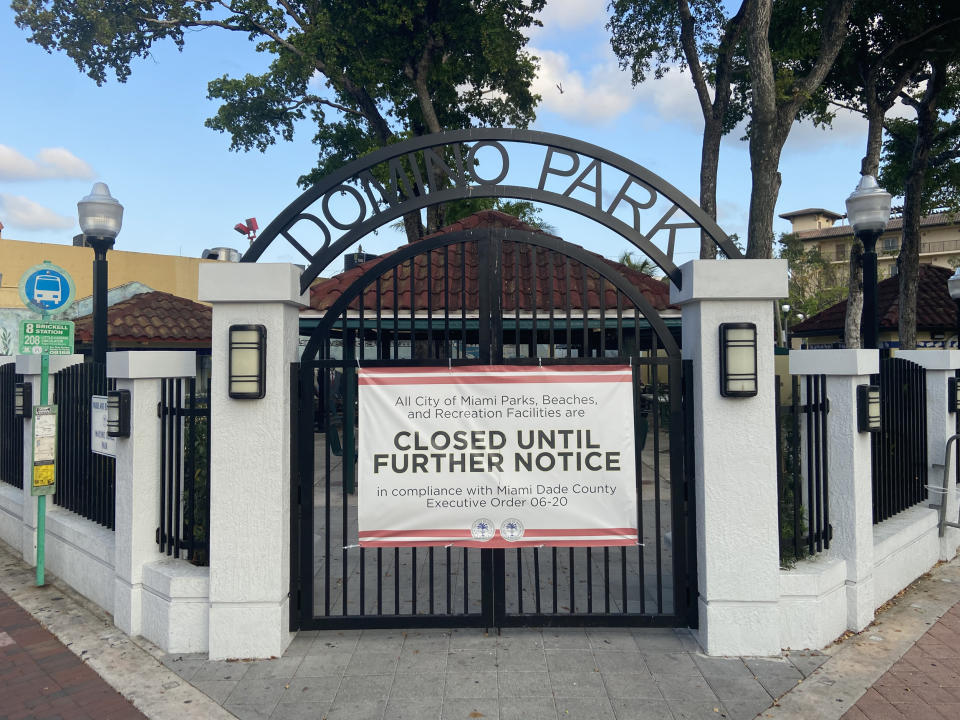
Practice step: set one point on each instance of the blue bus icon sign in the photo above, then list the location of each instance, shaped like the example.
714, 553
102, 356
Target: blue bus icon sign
46, 288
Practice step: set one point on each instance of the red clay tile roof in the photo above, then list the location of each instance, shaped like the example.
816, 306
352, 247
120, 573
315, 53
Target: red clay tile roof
936, 310
550, 266
153, 317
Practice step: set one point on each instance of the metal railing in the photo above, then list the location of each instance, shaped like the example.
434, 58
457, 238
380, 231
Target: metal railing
802, 481
86, 482
900, 448
184, 526
11, 429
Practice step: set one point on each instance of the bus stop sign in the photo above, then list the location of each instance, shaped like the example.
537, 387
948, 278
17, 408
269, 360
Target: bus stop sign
47, 288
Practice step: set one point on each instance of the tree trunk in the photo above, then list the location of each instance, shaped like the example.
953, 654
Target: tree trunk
709, 163
909, 259
774, 113
851, 325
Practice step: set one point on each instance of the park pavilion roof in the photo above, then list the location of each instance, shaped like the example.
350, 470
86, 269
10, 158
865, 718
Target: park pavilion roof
936, 310
152, 318
568, 281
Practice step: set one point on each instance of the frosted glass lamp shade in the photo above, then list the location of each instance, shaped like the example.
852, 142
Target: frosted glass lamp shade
868, 207
248, 356
101, 215
738, 359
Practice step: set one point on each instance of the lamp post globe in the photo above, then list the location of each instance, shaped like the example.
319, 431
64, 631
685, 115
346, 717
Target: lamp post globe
101, 217
868, 209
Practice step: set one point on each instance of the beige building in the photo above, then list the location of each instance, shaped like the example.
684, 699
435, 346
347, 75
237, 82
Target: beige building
166, 273
818, 228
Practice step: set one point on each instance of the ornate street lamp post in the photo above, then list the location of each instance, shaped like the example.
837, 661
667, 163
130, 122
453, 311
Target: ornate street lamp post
100, 219
953, 287
868, 209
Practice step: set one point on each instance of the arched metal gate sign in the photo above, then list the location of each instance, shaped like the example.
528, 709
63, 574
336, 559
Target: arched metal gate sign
479, 297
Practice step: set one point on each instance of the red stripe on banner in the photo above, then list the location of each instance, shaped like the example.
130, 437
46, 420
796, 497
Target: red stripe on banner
580, 531
500, 543
417, 533
567, 369
501, 380
444, 532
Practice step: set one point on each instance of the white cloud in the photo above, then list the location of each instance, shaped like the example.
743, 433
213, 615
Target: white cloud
22, 212
597, 99
570, 14
673, 98
50, 163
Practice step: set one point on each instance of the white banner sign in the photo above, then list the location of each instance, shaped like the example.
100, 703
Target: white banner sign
100, 442
497, 456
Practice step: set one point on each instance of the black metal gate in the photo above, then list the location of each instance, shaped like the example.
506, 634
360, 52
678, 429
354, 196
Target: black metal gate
86, 481
900, 448
480, 297
11, 428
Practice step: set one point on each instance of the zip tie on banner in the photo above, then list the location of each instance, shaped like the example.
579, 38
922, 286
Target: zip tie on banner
936, 489
540, 360
358, 363
450, 364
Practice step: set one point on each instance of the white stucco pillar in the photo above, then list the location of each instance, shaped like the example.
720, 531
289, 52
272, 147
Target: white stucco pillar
941, 424
138, 474
29, 367
250, 463
849, 470
735, 457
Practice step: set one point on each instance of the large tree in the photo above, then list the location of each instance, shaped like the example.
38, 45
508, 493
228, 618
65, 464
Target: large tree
938, 98
784, 78
693, 35
365, 73
883, 57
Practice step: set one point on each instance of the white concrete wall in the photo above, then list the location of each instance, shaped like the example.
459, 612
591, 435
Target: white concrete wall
250, 463
80, 553
874, 562
735, 457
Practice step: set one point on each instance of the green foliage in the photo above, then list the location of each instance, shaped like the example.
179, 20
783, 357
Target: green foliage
196, 509
523, 210
364, 73
941, 187
814, 282
789, 506
646, 37
644, 265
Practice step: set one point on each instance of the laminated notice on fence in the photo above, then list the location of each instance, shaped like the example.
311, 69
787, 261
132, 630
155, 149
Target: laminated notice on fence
496, 456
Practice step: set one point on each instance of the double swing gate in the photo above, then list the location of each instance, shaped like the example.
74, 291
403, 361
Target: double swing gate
488, 297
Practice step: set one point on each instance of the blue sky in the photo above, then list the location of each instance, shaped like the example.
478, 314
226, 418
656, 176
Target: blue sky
183, 189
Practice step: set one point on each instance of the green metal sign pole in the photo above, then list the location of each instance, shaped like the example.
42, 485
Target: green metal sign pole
42, 499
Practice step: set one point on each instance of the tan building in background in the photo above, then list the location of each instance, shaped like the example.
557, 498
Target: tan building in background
166, 273
939, 238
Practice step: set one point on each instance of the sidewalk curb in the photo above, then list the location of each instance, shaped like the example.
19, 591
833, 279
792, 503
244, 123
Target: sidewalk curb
858, 661
126, 665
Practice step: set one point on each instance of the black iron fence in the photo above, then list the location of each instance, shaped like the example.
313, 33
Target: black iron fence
86, 482
900, 448
11, 429
802, 481
184, 526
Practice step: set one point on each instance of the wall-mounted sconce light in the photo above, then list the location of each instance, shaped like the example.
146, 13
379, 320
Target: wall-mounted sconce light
22, 400
118, 413
738, 359
248, 361
953, 395
868, 408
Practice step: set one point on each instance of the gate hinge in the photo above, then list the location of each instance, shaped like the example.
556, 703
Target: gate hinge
158, 536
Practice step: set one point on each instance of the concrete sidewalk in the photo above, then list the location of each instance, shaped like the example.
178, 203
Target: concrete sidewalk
529, 674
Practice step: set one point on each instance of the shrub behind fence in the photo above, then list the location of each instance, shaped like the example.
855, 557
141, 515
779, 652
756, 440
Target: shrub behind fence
802, 481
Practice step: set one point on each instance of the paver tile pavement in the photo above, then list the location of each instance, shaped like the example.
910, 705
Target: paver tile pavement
49, 681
